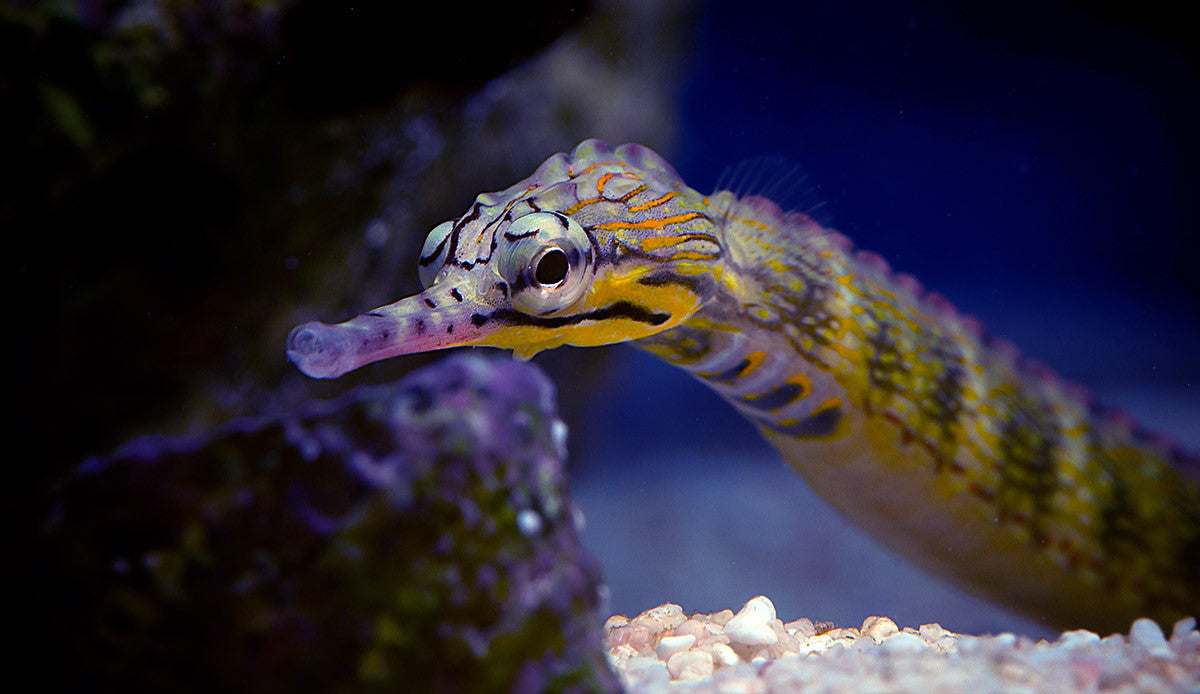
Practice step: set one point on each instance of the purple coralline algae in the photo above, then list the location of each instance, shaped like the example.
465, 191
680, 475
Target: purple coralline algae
416, 537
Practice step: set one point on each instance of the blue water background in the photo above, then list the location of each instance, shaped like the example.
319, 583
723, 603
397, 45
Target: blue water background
1036, 163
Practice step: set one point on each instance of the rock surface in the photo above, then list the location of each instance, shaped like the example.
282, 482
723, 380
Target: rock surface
373, 542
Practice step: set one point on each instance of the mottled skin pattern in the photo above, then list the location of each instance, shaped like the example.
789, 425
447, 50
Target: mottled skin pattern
936, 438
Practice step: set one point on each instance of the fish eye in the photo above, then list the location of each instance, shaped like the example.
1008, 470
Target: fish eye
551, 266
544, 262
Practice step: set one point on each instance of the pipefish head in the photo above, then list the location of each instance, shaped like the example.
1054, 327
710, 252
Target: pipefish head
597, 247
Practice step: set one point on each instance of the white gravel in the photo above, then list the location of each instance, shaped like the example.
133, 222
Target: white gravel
754, 652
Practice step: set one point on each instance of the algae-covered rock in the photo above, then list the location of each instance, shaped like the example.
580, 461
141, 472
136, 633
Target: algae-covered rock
408, 538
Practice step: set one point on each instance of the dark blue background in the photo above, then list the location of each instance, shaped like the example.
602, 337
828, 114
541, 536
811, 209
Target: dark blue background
1036, 163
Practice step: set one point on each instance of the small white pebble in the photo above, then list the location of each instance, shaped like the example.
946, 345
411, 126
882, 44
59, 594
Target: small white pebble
1183, 627
617, 620
752, 625
670, 645
762, 605
1077, 637
801, 627
617, 656
694, 627
843, 633
659, 619
1146, 633
879, 628
815, 644
722, 654
624, 652
690, 665
637, 637
643, 671
931, 633
947, 644
722, 618
863, 643
902, 642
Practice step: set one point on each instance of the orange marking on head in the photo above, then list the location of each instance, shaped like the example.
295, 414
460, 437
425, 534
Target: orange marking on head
653, 223
630, 194
603, 180
581, 204
654, 203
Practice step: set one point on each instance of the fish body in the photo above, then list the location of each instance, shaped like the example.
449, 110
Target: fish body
903, 414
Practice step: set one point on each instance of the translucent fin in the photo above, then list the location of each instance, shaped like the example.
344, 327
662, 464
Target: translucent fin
775, 178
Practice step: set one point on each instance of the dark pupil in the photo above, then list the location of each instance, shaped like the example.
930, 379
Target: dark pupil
552, 268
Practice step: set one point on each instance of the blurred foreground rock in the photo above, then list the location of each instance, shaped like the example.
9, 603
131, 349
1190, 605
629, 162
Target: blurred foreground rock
412, 538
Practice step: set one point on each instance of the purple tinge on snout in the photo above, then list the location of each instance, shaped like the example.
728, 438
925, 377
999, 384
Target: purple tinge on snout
321, 350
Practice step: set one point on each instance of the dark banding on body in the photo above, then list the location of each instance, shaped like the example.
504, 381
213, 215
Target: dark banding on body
822, 423
1117, 531
776, 398
1027, 464
621, 309
694, 284
728, 376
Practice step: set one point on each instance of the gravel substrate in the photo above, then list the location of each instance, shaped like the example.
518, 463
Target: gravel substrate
754, 652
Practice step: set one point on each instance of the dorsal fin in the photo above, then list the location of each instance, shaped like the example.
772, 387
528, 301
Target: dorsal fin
775, 178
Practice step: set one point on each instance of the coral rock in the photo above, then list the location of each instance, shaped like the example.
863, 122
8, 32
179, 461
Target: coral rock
372, 542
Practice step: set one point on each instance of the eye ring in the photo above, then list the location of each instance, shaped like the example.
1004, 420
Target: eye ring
545, 262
